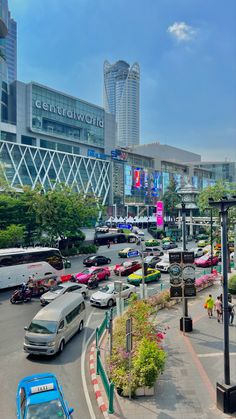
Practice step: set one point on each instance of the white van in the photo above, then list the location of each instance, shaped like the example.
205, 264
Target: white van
153, 251
55, 324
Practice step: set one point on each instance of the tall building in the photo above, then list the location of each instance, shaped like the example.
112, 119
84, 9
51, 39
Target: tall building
3, 63
121, 98
11, 49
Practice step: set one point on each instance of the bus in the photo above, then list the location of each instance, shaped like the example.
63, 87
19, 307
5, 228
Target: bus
17, 265
102, 239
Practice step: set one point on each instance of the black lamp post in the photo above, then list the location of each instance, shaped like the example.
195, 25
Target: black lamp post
226, 394
211, 235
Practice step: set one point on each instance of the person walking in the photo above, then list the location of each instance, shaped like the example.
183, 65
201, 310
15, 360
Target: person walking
231, 312
209, 303
218, 308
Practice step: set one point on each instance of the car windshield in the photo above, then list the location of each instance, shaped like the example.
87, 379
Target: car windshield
139, 272
126, 264
43, 327
204, 257
148, 258
91, 257
52, 409
108, 289
58, 289
86, 272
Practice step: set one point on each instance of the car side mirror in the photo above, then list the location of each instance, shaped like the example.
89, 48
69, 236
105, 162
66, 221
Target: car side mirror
25, 328
71, 410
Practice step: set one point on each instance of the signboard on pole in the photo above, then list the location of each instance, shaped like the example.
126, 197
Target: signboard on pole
160, 214
133, 254
188, 257
175, 292
126, 226
175, 257
129, 343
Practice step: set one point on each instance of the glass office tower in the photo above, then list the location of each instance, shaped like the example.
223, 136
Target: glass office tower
11, 49
3, 64
121, 98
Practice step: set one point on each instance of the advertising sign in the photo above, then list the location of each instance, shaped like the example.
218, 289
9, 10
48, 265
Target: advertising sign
188, 257
160, 214
175, 292
119, 155
175, 257
137, 180
133, 254
190, 291
127, 226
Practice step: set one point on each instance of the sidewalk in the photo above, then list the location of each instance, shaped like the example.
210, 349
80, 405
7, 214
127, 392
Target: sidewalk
194, 365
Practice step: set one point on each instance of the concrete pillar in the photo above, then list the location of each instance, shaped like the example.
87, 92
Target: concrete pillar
191, 223
179, 217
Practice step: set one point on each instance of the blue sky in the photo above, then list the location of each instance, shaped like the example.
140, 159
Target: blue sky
186, 50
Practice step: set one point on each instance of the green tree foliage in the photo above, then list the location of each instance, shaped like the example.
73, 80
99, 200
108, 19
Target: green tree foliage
12, 236
171, 198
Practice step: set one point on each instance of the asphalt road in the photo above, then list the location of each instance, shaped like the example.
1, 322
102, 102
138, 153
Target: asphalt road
15, 364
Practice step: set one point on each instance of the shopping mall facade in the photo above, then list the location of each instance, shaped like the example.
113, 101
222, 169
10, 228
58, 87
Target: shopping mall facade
53, 137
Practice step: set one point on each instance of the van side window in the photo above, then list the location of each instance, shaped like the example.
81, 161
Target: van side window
72, 314
82, 307
61, 325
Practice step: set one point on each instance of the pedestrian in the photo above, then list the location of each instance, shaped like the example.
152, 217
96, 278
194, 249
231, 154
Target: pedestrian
231, 312
209, 304
218, 308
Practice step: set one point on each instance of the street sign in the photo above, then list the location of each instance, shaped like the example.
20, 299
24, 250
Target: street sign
118, 286
127, 226
133, 254
175, 292
190, 291
176, 281
175, 257
189, 272
189, 281
129, 326
188, 257
175, 270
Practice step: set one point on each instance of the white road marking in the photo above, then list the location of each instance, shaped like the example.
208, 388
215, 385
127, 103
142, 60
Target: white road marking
214, 354
84, 349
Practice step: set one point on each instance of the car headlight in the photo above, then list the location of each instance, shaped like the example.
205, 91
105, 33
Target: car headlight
52, 343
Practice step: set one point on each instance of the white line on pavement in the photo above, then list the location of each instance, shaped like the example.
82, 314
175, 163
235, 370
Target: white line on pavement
214, 354
84, 350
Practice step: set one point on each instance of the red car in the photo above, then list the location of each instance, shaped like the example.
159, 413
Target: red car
84, 276
127, 268
205, 261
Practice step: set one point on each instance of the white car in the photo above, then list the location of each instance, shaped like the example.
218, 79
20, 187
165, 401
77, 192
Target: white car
106, 296
164, 264
61, 289
198, 252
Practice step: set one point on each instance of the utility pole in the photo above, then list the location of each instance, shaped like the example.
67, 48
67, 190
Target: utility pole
226, 394
185, 304
211, 235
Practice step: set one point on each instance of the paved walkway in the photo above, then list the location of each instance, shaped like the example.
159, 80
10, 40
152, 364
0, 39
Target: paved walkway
194, 365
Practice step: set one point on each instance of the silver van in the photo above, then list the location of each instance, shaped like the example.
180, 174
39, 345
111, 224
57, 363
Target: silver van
153, 251
55, 324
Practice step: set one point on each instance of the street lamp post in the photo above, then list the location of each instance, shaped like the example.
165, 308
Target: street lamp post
185, 305
226, 394
211, 235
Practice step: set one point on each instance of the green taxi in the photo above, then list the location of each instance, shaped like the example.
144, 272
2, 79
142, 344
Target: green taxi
152, 243
202, 243
136, 277
124, 252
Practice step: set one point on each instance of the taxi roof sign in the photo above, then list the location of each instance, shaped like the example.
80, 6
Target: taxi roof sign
43, 387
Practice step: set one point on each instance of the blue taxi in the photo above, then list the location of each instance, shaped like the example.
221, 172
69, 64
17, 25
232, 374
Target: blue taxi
40, 396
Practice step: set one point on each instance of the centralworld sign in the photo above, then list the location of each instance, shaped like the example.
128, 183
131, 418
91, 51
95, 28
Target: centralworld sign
71, 114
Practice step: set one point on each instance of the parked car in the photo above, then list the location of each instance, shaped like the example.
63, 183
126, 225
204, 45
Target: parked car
127, 268
101, 273
102, 229
124, 252
152, 243
136, 277
198, 252
41, 396
164, 264
141, 235
202, 243
106, 296
169, 245
152, 261
96, 260
166, 239
61, 289
205, 261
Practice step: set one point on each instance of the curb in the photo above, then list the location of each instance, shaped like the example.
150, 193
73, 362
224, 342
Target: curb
98, 394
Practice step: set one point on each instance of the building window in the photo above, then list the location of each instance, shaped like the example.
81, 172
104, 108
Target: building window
76, 150
64, 147
8, 136
47, 144
28, 140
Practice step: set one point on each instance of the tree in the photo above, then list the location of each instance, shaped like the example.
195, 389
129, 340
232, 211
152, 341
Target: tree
12, 236
171, 199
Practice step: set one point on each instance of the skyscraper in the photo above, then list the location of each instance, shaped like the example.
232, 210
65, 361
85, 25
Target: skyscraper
11, 49
121, 98
3, 64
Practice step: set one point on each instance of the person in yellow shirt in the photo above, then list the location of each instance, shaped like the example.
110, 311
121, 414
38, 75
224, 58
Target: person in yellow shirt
209, 303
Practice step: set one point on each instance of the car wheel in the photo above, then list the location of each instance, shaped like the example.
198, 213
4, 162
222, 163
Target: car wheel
130, 294
84, 295
12, 301
61, 347
81, 326
109, 261
95, 264
110, 303
106, 277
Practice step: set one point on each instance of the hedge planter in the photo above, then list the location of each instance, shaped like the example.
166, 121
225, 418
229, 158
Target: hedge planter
144, 391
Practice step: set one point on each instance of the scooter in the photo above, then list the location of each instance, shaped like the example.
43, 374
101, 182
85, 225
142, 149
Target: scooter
18, 297
92, 283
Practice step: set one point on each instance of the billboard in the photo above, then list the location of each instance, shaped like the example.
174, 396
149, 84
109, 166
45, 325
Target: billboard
137, 178
165, 181
160, 214
128, 180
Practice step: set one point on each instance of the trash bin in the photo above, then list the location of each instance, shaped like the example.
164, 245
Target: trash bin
188, 323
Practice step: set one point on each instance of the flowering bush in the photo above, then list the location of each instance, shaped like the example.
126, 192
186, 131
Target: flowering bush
159, 299
148, 358
205, 279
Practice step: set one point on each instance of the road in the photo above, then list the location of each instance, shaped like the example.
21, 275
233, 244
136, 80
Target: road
15, 364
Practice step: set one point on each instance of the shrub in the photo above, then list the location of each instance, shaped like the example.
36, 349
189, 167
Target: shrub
232, 284
87, 248
160, 298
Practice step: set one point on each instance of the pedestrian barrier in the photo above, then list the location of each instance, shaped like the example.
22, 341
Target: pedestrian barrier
101, 328
108, 386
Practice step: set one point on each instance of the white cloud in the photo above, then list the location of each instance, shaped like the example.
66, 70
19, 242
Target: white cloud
181, 31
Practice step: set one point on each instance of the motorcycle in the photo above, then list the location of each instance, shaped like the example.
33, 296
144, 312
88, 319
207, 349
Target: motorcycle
19, 297
92, 283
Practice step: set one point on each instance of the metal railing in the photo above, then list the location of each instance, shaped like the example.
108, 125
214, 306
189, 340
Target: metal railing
108, 385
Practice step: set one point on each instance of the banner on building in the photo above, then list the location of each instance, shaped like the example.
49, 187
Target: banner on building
160, 214
137, 178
